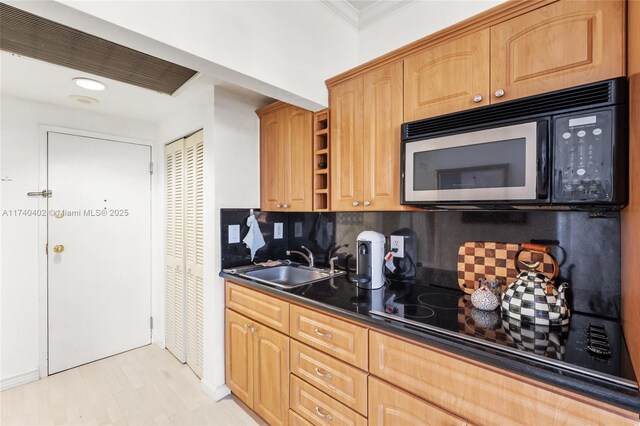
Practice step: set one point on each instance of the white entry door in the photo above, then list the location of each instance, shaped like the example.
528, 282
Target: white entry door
99, 249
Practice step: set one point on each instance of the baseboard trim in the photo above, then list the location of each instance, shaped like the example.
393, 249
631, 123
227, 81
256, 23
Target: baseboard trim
20, 379
214, 392
158, 340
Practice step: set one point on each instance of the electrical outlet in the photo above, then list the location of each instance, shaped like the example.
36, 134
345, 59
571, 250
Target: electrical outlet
234, 234
397, 245
278, 230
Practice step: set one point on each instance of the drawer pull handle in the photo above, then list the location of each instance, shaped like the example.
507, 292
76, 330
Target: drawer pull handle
321, 374
325, 335
324, 416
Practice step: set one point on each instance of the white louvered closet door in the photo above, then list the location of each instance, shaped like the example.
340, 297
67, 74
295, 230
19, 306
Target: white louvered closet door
194, 180
175, 261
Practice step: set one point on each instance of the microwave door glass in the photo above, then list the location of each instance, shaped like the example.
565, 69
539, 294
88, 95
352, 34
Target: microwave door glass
488, 165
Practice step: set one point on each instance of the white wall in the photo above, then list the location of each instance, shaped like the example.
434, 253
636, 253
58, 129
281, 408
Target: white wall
234, 169
292, 45
232, 179
412, 22
19, 297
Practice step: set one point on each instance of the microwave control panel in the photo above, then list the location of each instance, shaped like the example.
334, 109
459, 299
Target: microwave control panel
582, 158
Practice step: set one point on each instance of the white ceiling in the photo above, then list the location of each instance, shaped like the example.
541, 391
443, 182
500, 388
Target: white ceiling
361, 4
32, 79
361, 13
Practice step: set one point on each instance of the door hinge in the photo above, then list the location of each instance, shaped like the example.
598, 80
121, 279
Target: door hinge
151, 322
46, 249
151, 168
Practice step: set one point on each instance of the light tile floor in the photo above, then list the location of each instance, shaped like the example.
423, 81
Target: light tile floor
145, 386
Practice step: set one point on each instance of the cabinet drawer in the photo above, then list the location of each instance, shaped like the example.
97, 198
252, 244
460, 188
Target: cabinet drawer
478, 394
389, 405
296, 419
265, 309
319, 408
336, 337
345, 383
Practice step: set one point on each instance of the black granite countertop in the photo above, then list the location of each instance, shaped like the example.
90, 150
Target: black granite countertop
340, 296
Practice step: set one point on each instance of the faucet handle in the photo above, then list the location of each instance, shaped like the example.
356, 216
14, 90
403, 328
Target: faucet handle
332, 264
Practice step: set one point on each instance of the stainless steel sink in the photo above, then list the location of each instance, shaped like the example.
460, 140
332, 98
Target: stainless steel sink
289, 276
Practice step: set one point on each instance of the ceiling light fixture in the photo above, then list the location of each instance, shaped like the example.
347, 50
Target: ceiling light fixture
87, 83
84, 99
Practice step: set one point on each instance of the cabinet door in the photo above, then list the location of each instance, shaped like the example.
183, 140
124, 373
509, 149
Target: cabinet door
239, 361
174, 254
565, 44
271, 375
298, 140
391, 406
447, 77
272, 160
194, 234
382, 118
346, 145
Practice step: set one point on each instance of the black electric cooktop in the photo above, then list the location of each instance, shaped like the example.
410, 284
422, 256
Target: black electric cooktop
589, 346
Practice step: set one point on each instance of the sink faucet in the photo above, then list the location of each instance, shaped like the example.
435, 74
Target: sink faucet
308, 257
332, 251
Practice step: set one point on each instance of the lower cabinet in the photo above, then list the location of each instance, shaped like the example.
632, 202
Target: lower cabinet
478, 393
389, 405
319, 408
329, 371
257, 367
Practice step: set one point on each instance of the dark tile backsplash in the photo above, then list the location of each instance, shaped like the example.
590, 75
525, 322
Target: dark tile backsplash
588, 248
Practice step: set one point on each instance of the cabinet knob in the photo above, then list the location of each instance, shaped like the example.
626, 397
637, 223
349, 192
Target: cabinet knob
499, 93
286, 206
278, 206
356, 203
321, 414
324, 375
477, 98
322, 334
367, 203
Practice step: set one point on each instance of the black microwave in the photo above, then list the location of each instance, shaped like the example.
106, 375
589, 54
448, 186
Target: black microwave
561, 150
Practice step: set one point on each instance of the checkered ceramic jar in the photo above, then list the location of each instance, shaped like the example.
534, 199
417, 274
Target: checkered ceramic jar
526, 300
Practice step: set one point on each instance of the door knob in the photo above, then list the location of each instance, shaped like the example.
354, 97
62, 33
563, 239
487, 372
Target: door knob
58, 249
499, 93
286, 206
477, 98
355, 203
367, 203
278, 205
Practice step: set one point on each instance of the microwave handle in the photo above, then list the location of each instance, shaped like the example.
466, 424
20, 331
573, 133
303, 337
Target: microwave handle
542, 171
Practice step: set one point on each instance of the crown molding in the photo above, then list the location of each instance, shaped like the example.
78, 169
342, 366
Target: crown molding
344, 10
379, 9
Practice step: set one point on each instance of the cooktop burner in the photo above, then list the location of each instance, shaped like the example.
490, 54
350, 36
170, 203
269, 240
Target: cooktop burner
414, 311
440, 300
576, 347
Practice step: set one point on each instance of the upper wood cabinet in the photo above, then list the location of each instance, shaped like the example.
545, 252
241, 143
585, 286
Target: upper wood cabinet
560, 45
346, 109
286, 179
448, 77
366, 114
567, 43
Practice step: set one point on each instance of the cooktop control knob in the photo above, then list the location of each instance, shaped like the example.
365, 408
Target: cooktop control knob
598, 340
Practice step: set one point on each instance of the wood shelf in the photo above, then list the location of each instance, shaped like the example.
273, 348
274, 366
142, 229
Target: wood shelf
321, 155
